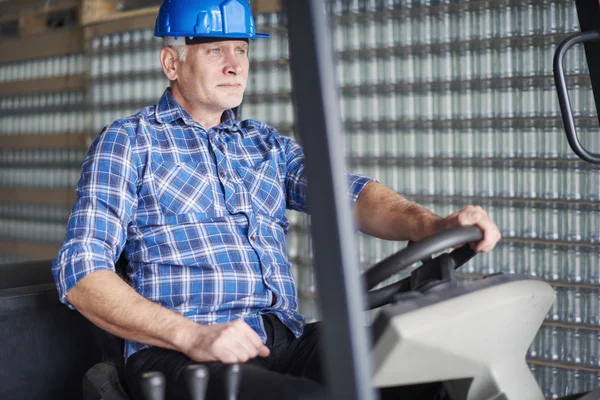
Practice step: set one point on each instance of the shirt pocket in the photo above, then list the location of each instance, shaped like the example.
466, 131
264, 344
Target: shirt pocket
182, 188
264, 186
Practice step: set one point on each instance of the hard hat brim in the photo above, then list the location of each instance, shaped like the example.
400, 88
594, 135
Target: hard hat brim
217, 37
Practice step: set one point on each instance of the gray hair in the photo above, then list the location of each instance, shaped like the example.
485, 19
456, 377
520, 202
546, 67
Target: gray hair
178, 45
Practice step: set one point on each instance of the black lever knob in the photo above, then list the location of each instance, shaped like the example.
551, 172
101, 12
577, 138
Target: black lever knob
232, 381
196, 377
153, 385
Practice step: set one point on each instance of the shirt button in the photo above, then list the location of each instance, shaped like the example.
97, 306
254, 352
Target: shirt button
253, 238
223, 174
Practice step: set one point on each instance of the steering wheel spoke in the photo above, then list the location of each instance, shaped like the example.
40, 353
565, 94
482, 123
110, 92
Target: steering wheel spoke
425, 275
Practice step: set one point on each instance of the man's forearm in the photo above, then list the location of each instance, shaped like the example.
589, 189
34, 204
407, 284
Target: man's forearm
383, 213
114, 306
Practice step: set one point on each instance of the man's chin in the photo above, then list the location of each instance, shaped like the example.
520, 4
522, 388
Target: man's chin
232, 103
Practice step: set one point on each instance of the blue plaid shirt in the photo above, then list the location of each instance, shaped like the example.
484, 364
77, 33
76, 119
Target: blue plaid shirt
199, 215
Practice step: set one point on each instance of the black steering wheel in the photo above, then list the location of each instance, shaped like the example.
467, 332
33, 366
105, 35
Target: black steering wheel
415, 252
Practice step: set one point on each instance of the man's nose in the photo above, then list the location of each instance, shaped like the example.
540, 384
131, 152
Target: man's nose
233, 66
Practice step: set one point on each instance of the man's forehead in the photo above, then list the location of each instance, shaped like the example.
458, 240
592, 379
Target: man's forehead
228, 42
181, 40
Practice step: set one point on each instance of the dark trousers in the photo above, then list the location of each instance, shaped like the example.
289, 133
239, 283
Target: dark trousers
291, 372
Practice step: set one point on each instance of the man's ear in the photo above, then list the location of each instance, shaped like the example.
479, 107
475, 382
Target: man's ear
168, 60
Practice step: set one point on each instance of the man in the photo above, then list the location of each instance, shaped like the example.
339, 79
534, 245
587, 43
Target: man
196, 201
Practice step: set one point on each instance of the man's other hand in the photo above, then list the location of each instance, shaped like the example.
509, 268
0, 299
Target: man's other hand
231, 342
475, 215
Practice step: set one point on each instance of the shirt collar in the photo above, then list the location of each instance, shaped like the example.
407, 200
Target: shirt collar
168, 110
230, 122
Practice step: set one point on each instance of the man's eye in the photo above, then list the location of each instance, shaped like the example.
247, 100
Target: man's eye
215, 51
241, 51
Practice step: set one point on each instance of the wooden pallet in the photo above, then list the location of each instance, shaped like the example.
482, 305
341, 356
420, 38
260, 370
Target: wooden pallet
35, 19
53, 43
266, 6
93, 11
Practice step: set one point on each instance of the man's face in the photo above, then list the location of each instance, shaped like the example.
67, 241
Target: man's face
214, 75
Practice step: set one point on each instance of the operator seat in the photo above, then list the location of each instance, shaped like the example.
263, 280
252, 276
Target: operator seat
45, 348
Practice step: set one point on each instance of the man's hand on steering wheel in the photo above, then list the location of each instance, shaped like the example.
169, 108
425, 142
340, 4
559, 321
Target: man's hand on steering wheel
475, 215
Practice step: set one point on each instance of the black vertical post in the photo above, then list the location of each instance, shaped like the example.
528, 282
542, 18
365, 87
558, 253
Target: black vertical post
588, 12
345, 341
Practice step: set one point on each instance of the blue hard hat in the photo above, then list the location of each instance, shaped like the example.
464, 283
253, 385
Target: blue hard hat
227, 19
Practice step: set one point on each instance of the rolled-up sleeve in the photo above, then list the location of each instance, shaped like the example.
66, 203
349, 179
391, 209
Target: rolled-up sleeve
106, 203
295, 179
356, 183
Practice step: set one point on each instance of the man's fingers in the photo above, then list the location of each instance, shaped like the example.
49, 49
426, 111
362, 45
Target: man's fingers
475, 215
235, 351
252, 338
491, 235
471, 215
252, 341
251, 335
246, 350
263, 351
258, 348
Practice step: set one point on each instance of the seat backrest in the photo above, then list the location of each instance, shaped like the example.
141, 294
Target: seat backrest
25, 274
45, 348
